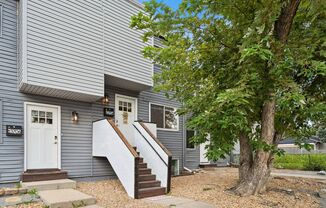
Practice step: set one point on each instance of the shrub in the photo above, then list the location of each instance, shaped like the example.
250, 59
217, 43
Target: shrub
313, 162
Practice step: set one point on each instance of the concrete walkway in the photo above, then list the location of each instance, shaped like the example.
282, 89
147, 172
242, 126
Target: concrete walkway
298, 173
178, 202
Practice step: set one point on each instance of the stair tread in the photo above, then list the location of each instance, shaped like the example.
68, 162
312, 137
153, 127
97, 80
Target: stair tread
153, 181
44, 173
151, 189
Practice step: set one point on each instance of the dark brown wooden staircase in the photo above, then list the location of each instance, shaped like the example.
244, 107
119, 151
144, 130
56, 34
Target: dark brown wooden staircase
146, 183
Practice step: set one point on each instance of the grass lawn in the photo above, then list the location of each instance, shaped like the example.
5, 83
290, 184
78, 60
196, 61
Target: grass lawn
314, 162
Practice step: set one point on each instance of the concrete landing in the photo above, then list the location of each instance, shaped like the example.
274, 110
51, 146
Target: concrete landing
50, 185
66, 198
178, 202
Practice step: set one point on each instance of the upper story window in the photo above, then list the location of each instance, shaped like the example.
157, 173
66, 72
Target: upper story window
1, 21
164, 117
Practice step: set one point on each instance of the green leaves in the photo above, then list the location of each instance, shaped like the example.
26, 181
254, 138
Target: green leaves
220, 59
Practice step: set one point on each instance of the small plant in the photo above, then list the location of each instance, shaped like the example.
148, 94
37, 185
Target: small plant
18, 185
32, 192
45, 206
207, 189
81, 204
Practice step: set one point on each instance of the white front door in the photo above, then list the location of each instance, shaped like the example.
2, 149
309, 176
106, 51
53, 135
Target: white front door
42, 124
203, 151
126, 114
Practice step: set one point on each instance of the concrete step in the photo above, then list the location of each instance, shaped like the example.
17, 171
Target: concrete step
66, 198
50, 185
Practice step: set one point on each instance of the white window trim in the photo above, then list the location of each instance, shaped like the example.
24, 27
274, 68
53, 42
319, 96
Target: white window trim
25, 130
165, 106
195, 146
1, 20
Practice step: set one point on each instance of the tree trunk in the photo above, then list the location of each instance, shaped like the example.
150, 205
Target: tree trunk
254, 170
254, 173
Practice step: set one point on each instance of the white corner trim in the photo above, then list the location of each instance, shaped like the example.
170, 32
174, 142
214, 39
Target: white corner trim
24, 39
26, 130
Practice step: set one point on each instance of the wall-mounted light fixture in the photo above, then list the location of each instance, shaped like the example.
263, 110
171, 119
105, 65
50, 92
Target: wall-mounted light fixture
74, 116
105, 100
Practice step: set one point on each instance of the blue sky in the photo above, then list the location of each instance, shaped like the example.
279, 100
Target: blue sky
172, 3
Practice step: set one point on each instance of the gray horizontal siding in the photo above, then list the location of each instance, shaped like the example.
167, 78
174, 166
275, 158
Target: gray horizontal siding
123, 45
76, 138
72, 44
64, 49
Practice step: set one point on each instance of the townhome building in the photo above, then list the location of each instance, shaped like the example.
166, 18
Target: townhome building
76, 98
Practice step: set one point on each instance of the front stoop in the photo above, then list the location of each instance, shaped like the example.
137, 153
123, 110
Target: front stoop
66, 198
50, 185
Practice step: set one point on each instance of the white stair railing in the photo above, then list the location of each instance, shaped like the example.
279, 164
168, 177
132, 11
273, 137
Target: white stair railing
109, 142
157, 157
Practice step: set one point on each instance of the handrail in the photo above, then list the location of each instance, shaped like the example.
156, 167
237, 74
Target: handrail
123, 138
151, 145
155, 139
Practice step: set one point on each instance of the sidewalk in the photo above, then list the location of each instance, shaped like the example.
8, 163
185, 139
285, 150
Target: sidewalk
298, 173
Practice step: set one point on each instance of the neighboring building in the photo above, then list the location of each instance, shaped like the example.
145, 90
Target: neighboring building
289, 146
62, 64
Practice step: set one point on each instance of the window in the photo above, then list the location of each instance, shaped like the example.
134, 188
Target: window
42, 117
164, 117
189, 135
125, 106
1, 13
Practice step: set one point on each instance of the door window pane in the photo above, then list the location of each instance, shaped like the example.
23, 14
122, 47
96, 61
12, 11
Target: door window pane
34, 116
157, 114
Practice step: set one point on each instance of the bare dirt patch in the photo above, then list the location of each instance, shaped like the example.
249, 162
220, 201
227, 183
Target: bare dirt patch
212, 186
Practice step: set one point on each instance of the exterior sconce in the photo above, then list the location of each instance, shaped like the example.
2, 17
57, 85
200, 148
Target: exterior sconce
105, 100
74, 116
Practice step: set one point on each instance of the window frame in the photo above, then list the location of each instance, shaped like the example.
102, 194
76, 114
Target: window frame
164, 106
1, 20
193, 148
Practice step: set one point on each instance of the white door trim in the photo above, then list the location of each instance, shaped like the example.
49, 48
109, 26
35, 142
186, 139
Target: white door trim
116, 104
25, 130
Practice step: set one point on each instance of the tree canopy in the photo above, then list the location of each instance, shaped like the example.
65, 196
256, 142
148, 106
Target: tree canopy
221, 58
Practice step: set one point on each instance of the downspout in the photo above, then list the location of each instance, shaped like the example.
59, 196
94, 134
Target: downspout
183, 142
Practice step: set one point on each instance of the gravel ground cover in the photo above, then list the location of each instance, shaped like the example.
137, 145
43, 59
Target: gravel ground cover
212, 186
110, 193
